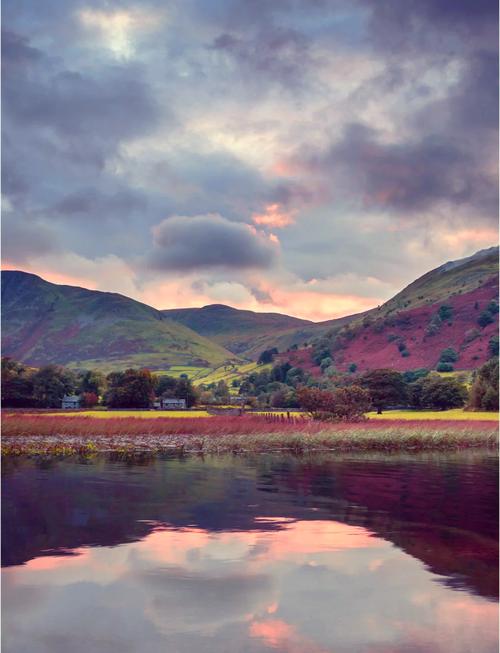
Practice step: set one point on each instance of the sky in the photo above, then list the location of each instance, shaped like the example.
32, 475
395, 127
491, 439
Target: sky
310, 157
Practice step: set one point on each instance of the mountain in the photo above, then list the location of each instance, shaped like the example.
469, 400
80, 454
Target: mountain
441, 309
43, 322
242, 332
47, 323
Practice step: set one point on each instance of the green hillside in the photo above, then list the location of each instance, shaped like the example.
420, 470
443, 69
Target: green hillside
453, 278
47, 323
244, 333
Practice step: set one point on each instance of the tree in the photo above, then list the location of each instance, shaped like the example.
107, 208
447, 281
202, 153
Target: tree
493, 346
352, 368
181, 388
351, 403
442, 393
386, 387
89, 399
91, 381
444, 367
295, 376
50, 384
279, 372
448, 355
267, 356
17, 384
484, 391
221, 393
346, 404
410, 376
130, 389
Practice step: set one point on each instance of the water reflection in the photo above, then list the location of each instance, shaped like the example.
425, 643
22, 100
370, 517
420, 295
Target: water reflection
308, 555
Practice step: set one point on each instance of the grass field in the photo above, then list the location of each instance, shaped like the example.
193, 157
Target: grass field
229, 374
192, 372
78, 433
453, 414
458, 414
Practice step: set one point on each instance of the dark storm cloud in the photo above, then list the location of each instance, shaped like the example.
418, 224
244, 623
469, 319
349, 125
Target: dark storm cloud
16, 50
405, 25
409, 176
151, 109
24, 239
94, 204
276, 53
209, 241
87, 115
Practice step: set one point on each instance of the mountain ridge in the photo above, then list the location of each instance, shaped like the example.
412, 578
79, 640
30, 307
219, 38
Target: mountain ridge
44, 322
52, 323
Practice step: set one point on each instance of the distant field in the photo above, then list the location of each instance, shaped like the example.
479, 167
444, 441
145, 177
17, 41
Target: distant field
143, 414
455, 413
227, 373
412, 415
192, 372
230, 373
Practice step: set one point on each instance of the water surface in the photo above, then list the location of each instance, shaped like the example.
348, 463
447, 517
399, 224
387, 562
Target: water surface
316, 554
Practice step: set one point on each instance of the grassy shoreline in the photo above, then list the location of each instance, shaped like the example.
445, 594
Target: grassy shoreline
44, 435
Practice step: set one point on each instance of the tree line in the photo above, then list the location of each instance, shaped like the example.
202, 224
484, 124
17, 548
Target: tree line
343, 396
26, 387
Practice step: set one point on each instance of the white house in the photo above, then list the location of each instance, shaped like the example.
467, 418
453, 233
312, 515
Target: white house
172, 404
70, 401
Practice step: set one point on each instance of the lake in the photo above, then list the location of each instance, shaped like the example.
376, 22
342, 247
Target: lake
313, 554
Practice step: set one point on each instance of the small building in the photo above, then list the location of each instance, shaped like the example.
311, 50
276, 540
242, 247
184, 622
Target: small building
70, 401
172, 404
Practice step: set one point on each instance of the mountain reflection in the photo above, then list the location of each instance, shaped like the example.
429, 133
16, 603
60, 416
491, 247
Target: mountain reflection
441, 510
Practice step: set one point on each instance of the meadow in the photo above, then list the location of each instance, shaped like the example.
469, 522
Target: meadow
452, 414
421, 415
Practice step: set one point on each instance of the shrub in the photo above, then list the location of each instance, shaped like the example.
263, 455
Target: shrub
352, 368
448, 355
325, 362
402, 346
89, 399
492, 307
444, 367
445, 313
484, 319
434, 325
405, 353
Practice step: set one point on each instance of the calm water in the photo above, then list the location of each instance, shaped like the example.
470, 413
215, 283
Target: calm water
311, 555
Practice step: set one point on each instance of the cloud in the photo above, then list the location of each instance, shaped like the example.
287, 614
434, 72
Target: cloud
23, 241
273, 216
366, 132
404, 177
275, 53
209, 241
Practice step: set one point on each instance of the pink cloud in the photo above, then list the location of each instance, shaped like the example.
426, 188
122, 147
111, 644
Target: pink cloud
274, 215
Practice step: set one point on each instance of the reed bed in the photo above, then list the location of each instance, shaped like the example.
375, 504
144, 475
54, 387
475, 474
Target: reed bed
69, 435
